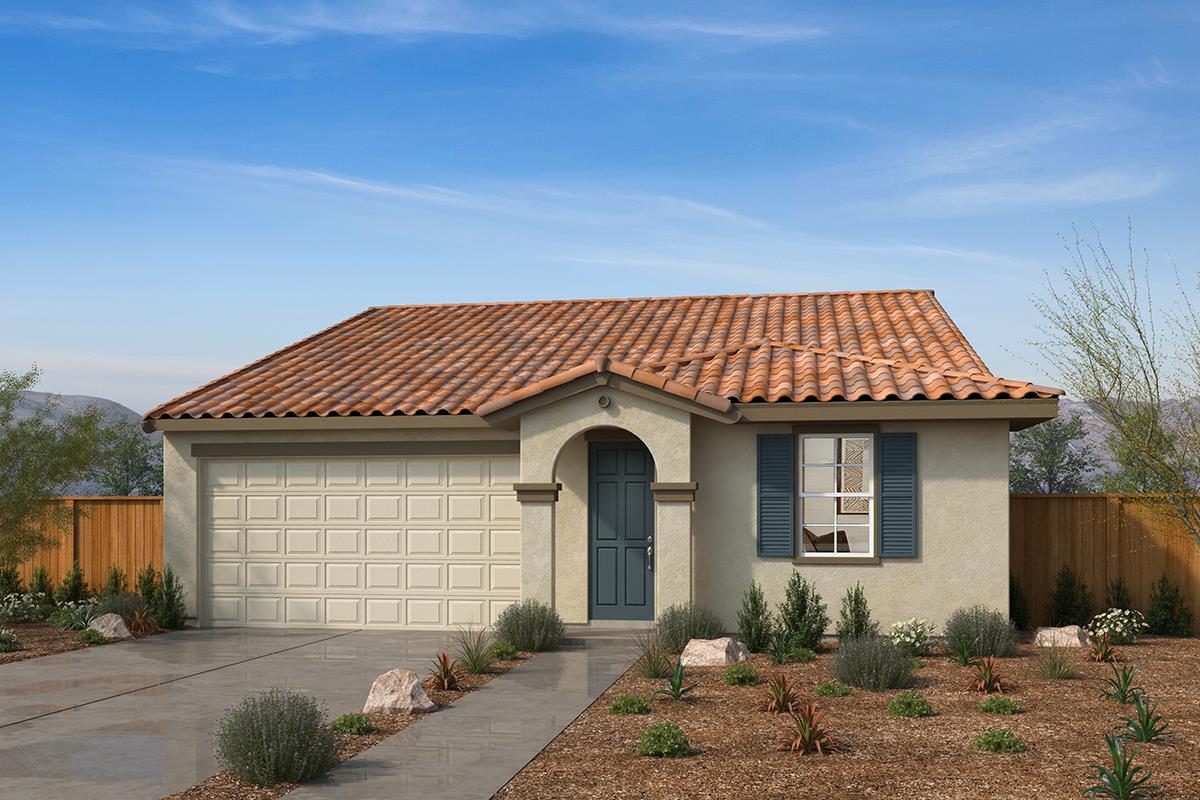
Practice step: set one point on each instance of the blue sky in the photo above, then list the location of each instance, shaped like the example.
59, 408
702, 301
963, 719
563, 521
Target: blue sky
189, 185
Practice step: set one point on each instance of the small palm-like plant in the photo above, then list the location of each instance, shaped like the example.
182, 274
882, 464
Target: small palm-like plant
675, 688
1145, 725
1120, 686
445, 675
1102, 649
779, 648
987, 677
806, 733
1124, 780
780, 695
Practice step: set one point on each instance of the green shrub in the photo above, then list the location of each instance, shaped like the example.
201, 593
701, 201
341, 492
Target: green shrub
979, 631
10, 581
629, 704
41, 582
663, 740
1071, 601
26, 607
1055, 664
126, 604
1018, 606
741, 674
74, 588
1117, 595
115, 583
503, 651
754, 619
71, 616
855, 621
9, 642
1168, 614
999, 704
473, 646
999, 741
654, 654
530, 625
273, 737
681, 623
800, 654
354, 723
169, 609
832, 689
910, 704
873, 663
89, 636
147, 586
801, 615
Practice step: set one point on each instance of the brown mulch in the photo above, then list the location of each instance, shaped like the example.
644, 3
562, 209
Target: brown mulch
227, 786
40, 639
1062, 723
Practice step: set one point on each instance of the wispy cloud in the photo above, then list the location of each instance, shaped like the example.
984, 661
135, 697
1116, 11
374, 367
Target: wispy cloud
976, 151
1085, 189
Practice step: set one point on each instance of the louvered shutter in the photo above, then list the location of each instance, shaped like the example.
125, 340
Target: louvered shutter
777, 495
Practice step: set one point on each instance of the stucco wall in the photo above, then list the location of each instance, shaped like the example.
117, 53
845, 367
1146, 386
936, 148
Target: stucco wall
181, 493
963, 526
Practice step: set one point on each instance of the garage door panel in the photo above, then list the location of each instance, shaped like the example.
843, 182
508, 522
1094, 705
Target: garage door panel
424, 542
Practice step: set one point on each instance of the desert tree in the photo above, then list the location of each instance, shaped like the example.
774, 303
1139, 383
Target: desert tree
1052, 457
1136, 365
129, 461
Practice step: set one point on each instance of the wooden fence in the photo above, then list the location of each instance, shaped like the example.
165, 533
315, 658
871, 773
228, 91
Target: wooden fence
1101, 537
126, 532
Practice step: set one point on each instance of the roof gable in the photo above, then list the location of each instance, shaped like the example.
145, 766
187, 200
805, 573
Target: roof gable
461, 359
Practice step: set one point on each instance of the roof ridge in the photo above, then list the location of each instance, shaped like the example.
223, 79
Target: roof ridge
584, 300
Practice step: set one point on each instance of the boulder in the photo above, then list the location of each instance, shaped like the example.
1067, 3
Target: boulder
1069, 636
110, 626
714, 652
397, 692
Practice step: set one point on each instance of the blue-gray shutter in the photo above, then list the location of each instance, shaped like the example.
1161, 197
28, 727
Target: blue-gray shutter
898, 495
777, 494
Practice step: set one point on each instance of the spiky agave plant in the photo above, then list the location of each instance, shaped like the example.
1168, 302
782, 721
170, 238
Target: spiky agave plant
1145, 725
675, 688
806, 732
780, 695
987, 677
445, 675
1120, 685
1124, 780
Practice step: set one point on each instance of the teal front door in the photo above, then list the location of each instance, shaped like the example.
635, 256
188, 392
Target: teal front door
620, 531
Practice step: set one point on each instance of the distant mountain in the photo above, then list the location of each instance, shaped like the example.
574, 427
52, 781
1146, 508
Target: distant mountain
74, 403
1095, 430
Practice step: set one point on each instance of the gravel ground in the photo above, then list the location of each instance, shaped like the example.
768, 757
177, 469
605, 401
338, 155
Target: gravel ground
1062, 723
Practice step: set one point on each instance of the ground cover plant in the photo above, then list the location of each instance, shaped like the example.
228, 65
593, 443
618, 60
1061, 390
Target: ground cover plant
89, 636
9, 643
733, 740
357, 724
999, 704
832, 689
742, 674
629, 704
910, 704
999, 741
663, 740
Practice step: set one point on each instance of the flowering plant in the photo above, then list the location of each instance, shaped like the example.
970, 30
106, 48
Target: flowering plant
913, 636
1122, 625
25, 607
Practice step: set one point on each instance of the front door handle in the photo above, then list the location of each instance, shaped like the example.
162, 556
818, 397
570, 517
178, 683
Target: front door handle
649, 553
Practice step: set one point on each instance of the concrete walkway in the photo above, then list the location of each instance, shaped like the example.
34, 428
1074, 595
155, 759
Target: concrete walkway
471, 750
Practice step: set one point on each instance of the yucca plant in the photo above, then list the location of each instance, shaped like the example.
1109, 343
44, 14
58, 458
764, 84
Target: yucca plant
1145, 725
1120, 686
1124, 780
780, 695
473, 646
987, 677
675, 688
445, 675
1102, 649
654, 660
778, 648
806, 733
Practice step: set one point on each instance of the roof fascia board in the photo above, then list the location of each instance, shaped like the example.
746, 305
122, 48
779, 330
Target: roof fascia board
1020, 413
318, 423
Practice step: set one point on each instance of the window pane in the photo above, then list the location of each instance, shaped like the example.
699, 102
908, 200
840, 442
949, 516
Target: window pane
847, 518
854, 539
818, 479
819, 449
818, 538
817, 511
854, 450
852, 479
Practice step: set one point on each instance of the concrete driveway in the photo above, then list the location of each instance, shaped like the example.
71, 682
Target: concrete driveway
133, 720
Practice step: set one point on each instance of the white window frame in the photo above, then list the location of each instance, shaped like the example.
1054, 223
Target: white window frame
869, 494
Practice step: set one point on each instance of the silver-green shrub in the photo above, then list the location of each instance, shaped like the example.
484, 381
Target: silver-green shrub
277, 736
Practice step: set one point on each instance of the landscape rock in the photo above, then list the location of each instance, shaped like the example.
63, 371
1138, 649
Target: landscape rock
110, 626
1069, 636
714, 652
397, 692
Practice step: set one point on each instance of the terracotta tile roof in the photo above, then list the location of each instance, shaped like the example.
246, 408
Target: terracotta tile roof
480, 357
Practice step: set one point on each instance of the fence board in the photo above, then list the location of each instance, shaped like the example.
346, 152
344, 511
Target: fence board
126, 532
1101, 537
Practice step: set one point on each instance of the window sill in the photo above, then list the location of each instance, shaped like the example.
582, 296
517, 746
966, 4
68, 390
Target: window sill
836, 560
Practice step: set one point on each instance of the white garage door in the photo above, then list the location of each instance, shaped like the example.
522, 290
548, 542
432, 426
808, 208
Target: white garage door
417, 541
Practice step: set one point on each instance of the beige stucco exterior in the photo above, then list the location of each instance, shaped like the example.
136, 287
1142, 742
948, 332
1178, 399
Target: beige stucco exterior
706, 550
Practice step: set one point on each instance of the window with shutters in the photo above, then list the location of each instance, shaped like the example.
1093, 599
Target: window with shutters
836, 503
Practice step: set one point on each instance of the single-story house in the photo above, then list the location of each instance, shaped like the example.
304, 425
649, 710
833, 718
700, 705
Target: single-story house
428, 465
